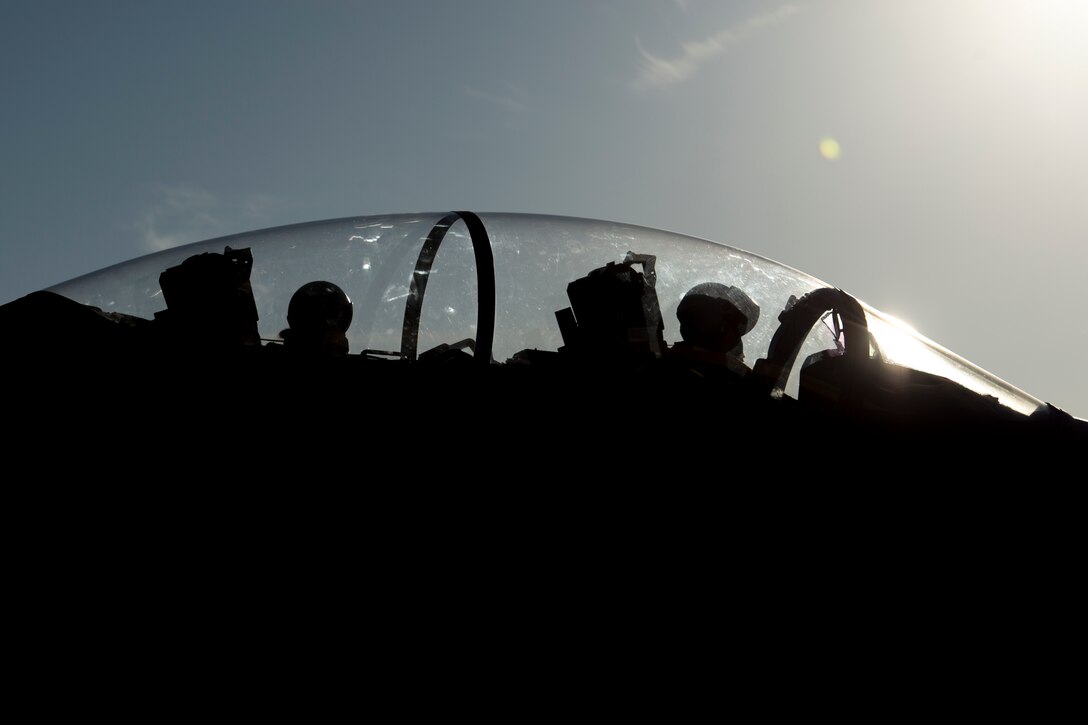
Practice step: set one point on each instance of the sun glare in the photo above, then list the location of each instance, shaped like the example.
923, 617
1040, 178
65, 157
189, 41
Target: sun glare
1033, 33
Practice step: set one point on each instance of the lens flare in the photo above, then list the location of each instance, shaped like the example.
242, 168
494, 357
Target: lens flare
830, 149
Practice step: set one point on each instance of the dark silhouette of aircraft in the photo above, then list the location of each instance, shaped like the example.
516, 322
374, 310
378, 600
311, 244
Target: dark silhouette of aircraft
532, 335
518, 427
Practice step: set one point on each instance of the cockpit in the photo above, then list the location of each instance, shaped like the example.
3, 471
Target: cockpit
519, 289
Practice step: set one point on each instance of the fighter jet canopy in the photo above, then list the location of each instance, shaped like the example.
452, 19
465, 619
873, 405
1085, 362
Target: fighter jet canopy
380, 263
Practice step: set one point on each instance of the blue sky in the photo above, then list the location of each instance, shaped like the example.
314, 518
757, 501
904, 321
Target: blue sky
956, 201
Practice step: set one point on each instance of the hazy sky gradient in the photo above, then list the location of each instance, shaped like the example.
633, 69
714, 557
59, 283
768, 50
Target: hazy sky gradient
958, 202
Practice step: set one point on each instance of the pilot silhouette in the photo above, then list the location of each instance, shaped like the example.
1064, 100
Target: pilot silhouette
319, 315
713, 319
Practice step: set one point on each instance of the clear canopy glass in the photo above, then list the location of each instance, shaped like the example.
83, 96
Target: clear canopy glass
373, 260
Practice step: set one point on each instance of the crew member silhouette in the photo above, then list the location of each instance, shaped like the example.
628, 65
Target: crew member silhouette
713, 319
319, 315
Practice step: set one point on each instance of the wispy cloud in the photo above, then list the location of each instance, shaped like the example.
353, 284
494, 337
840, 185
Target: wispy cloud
510, 99
183, 214
657, 72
